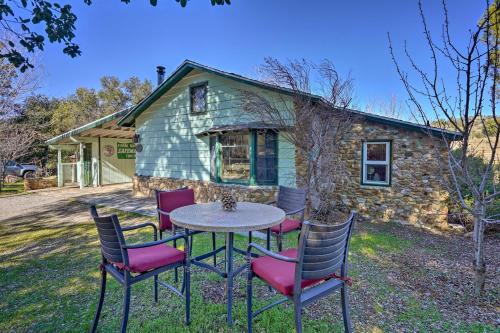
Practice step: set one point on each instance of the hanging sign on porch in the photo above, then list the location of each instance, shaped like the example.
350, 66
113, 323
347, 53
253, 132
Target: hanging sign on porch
125, 150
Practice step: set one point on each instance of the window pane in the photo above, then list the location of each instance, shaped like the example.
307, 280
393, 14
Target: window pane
266, 164
198, 98
235, 157
376, 151
376, 173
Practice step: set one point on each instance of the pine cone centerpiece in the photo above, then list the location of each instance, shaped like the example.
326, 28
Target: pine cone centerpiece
228, 202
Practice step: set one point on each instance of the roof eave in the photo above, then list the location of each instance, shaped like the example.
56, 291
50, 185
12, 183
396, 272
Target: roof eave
85, 127
183, 70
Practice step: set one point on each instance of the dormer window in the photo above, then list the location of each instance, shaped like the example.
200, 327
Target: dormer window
198, 97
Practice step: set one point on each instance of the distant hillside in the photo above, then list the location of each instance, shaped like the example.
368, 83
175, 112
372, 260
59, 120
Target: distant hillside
479, 139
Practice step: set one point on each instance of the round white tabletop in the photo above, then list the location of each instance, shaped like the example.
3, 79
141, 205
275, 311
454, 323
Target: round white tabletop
248, 216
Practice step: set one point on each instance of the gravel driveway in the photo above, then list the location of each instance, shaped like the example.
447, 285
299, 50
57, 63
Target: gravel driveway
116, 196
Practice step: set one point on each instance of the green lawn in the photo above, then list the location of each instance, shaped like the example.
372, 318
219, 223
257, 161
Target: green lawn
49, 282
12, 188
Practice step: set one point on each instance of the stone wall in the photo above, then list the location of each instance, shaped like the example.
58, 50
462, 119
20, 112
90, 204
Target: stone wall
416, 194
204, 191
39, 183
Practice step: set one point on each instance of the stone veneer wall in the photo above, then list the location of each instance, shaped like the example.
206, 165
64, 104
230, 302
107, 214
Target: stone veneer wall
416, 194
39, 183
205, 191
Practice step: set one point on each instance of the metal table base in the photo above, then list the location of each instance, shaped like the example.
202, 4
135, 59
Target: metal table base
230, 272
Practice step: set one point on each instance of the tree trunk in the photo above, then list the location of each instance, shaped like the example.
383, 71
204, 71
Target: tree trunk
478, 237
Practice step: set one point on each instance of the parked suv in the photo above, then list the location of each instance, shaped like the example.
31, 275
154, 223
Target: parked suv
20, 170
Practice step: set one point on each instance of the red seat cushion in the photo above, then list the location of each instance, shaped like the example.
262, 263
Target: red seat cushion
279, 274
170, 200
286, 226
147, 258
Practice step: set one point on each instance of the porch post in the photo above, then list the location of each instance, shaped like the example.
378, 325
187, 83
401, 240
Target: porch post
60, 174
80, 170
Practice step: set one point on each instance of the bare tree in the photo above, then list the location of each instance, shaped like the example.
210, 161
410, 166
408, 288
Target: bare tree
468, 102
16, 140
313, 117
391, 108
15, 87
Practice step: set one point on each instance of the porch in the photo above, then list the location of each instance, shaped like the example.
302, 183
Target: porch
98, 153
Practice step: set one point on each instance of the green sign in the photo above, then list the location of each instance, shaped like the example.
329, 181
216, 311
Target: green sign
125, 151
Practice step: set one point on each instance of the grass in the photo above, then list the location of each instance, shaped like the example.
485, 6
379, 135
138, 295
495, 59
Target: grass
12, 188
49, 282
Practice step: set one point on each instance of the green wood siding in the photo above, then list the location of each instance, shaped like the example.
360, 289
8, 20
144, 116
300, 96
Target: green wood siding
115, 170
168, 130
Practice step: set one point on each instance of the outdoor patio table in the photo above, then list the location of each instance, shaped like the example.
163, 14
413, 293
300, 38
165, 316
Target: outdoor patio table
211, 217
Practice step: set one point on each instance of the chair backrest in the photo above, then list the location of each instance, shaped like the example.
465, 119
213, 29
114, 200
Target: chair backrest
167, 201
290, 199
110, 237
323, 249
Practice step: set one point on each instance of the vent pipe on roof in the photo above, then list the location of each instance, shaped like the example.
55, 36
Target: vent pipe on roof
160, 70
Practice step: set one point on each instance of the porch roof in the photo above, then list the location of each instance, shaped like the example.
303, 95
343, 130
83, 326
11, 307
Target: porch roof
105, 127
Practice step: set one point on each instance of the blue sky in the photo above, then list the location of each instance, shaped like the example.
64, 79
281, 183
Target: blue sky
125, 40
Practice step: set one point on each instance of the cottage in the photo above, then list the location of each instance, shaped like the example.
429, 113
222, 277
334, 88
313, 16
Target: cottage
191, 131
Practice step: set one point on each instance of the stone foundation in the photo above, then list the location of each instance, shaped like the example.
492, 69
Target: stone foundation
39, 183
205, 191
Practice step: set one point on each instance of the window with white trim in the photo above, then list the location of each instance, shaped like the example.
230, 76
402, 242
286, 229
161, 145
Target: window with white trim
376, 163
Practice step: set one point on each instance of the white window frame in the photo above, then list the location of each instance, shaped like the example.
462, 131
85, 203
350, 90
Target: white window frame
365, 163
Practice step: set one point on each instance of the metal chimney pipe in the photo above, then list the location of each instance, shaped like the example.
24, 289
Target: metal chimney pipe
160, 70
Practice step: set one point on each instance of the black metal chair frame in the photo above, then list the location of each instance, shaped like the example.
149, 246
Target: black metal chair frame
292, 201
117, 252
174, 229
315, 242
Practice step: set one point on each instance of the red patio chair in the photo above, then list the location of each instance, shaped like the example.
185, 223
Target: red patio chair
293, 202
315, 269
166, 202
132, 263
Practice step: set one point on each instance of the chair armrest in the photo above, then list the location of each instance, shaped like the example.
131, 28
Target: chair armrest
138, 226
162, 212
295, 211
143, 225
161, 241
268, 253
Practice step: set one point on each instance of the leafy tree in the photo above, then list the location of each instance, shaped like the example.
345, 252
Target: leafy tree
33, 22
137, 90
36, 114
86, 105
112, 97
64, 117
76, 110
214, 2
492, 34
